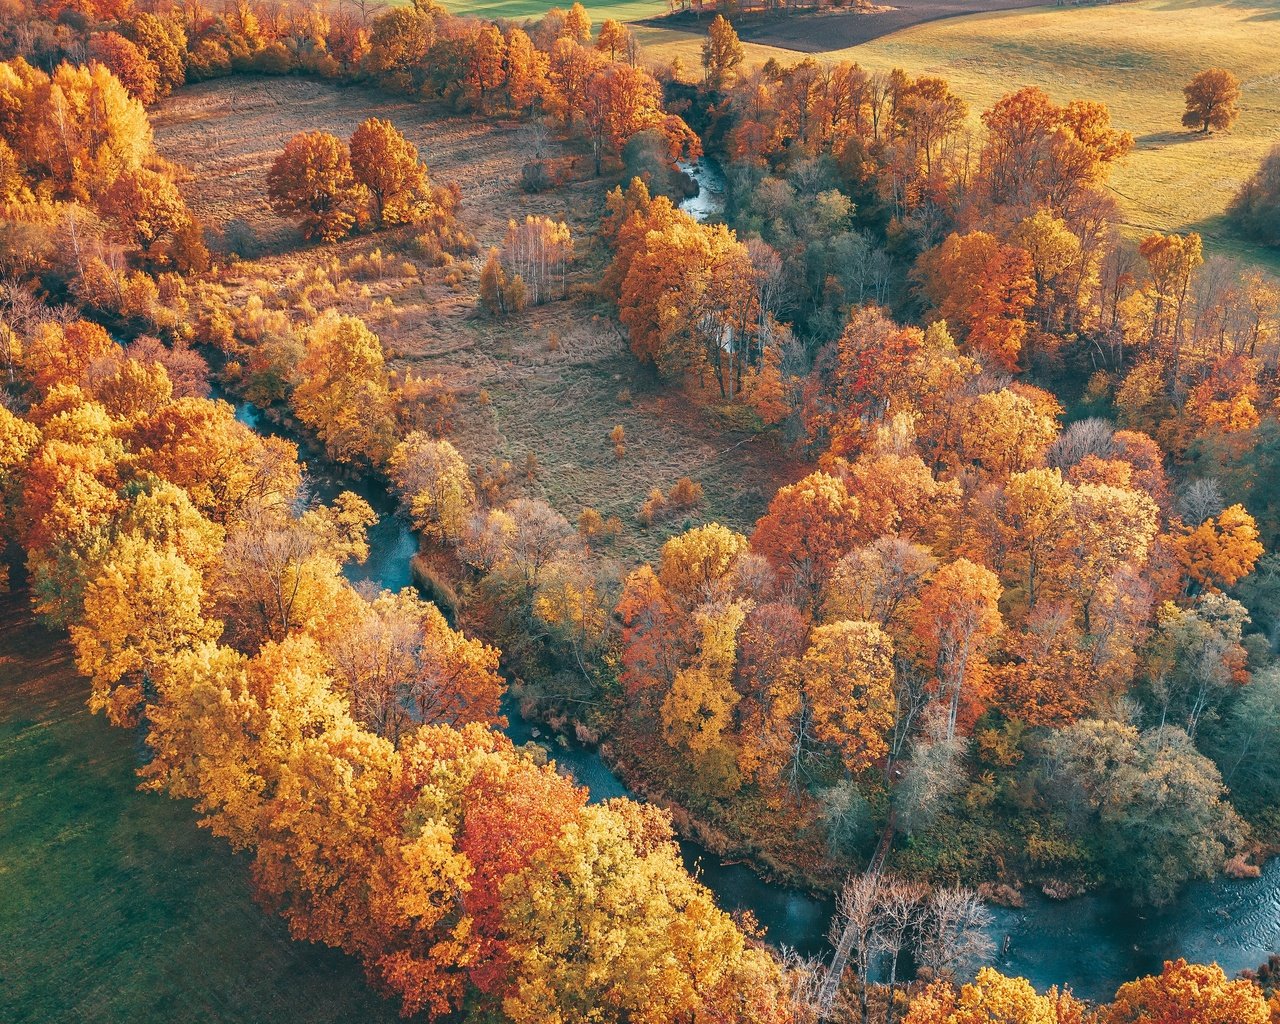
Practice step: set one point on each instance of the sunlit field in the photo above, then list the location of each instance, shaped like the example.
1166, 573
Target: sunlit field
1135, 58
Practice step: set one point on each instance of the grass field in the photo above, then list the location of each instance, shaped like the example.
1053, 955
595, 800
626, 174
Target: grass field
1133, 56
114, 906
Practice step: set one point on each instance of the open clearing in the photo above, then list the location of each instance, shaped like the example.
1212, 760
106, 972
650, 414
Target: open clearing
552, 382
1135, 57
115, 906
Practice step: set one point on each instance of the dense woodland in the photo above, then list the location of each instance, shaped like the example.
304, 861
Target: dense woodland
1015, 622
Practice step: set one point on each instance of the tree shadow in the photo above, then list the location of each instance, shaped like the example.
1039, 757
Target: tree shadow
1170, 138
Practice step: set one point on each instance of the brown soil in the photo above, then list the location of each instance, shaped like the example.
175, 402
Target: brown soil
823, 31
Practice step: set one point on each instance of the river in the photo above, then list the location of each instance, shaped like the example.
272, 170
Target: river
1093, 943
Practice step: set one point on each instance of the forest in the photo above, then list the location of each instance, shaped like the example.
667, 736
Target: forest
905, 527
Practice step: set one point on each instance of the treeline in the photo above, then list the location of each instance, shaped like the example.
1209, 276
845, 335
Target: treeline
548, 68
997, 632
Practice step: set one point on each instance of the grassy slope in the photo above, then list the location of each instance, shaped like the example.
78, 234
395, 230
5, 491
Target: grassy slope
114, 906
620, 10
1135, 57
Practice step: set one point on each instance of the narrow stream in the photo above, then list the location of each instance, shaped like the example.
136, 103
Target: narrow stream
1093, 943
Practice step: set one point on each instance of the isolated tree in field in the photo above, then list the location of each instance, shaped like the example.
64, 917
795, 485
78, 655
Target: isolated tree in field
1213, 99
722, 54
313, 179
387, 164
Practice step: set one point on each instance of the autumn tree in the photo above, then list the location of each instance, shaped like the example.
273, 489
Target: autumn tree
387, 164
401, 666
144, 607
985, 288
957, 618
343, 391
434, 484
1213, 99
313, 179
722, 55
538, 250
993, 998
128, 63
1184, 993
847, 677
809, 527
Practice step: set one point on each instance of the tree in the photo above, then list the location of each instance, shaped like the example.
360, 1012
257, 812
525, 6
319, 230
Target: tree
1153, 807
1007, 431
614, 38
143, 609
434, 484
984, 287
1255, 209
957, 618
722, 55
387, 164
164, 43
1220, 551
1213, 98
148, 207
128, 63
993, 998
313, 179
1184, 993
538, 251
281, 573
402, 666
847, 676
697, 710
343, 391
809, 527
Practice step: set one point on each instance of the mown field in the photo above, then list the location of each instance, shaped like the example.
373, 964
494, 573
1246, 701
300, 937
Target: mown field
619, 10
1135, 57
113, 906
553, 382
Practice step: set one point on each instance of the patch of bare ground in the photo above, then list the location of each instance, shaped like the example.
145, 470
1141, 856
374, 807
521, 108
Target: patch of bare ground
552, 382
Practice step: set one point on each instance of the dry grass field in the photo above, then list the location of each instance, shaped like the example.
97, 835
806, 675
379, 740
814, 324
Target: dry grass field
1133, 56
556, 380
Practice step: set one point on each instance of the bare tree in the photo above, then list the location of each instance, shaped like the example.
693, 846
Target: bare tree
953, 935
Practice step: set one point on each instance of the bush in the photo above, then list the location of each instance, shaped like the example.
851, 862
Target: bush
685, 494
534, 176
